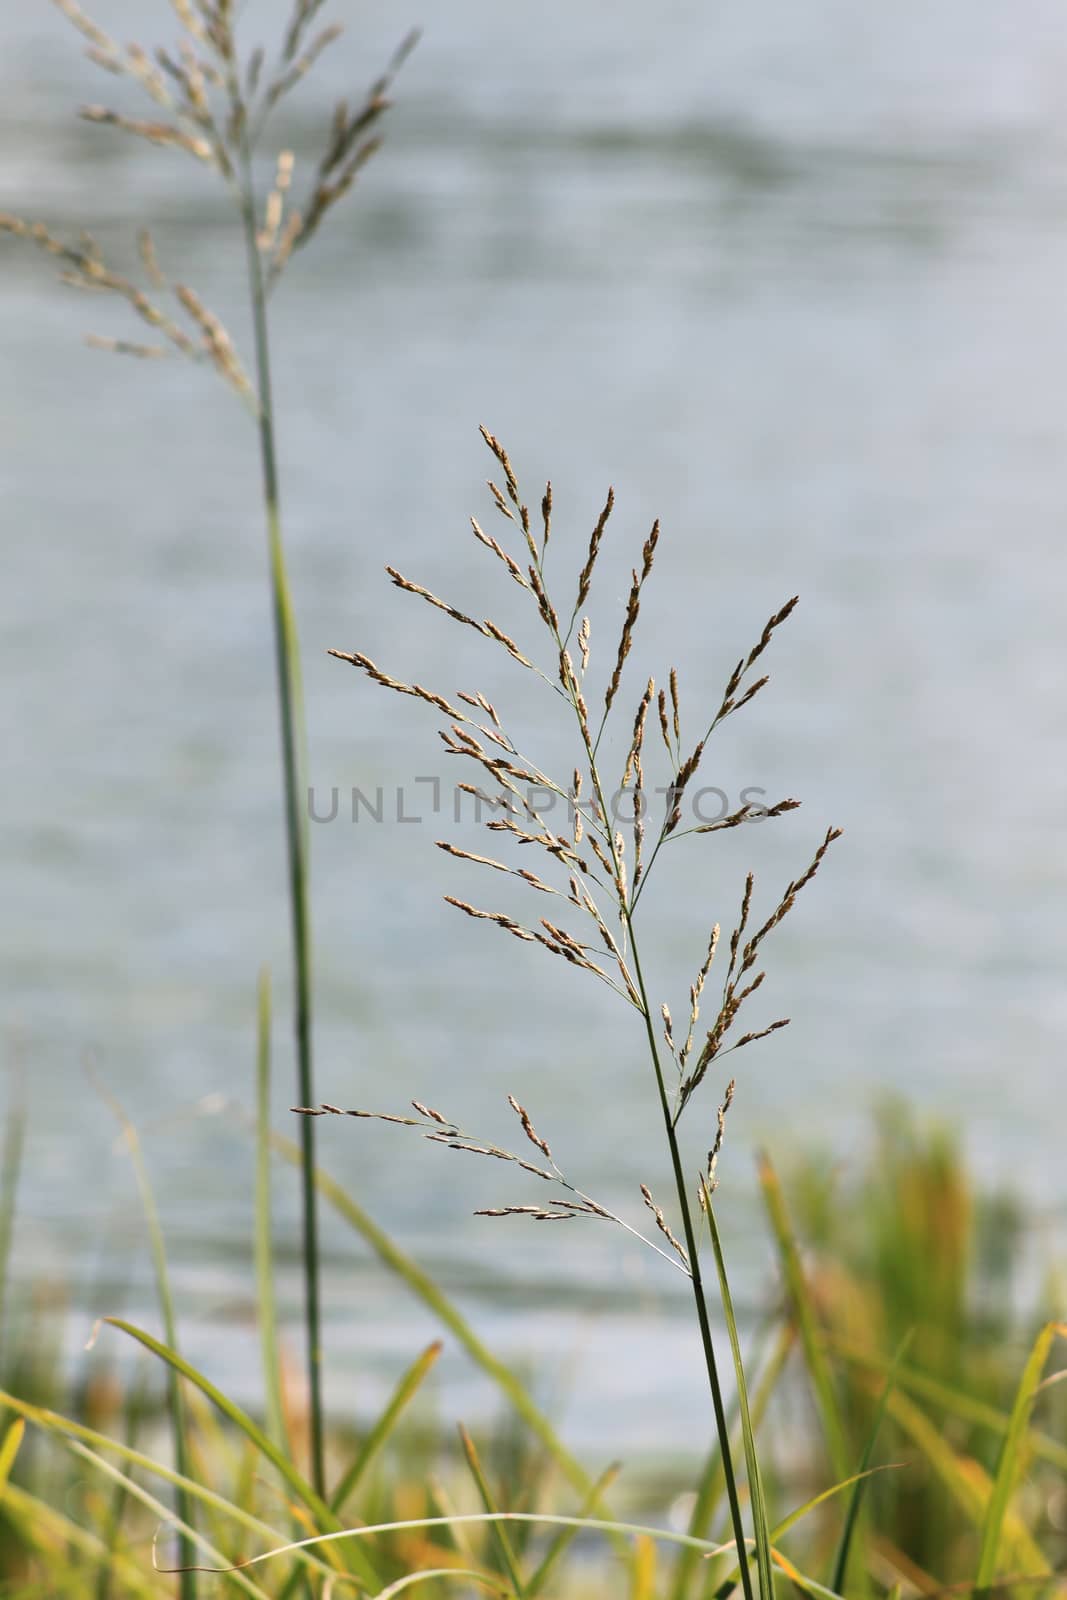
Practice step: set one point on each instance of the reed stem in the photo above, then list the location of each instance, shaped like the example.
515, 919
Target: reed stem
290, 702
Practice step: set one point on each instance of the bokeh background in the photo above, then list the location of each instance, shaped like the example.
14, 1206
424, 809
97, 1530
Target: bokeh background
790, 277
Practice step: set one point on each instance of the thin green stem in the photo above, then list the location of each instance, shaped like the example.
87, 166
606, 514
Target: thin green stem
287, 662
721, 1424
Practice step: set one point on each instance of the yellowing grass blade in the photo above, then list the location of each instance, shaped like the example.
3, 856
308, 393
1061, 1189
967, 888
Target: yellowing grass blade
9, 1450
1009, 1465
966, 1479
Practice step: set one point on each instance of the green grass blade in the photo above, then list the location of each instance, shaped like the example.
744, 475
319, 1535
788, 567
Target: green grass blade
712, 1483
507, 1553
264, 1246
175, 1404
807, 1322
758, 1503
290, 695
405, 1391
423, 1287
251, 1430
566, 1536
10, 1168
1009, 1465
856, 1498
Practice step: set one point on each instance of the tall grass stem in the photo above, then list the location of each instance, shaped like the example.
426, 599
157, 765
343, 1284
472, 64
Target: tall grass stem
290, 706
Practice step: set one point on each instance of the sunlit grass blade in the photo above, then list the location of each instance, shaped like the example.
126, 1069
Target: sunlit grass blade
807, 1321
423, 1287
10, 1168
483, 1579
643, 1570
610, 1530
165, 1297
503, 1543
192, 1536
856, 1498
966, 1480
265, 1297
44, 1527
757, 1501
64, 1429
9, 1449
303, 1490
566, 1536
1010, 1464
405, 1391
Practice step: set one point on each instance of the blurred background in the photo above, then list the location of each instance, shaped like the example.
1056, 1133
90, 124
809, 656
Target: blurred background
790, 278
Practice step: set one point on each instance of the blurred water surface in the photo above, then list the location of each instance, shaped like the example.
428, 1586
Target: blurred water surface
790, 277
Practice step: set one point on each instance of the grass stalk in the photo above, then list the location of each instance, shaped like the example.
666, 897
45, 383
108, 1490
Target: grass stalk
290, 708
265, 1296
722, 1426
755, 1482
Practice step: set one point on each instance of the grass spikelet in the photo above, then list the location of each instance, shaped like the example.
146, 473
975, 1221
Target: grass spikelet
638, 735
498, 550
586, 578
528, 1127
633, 608
505, 465
217, 341
696, 991
711, 1180
267, 238
665, 731
159, 133
583, 643
664, 1227
300, 68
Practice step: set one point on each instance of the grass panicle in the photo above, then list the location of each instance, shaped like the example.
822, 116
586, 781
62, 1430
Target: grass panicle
618, 877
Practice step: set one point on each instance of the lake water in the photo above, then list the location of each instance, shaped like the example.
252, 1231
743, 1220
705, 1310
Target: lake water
790, 277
